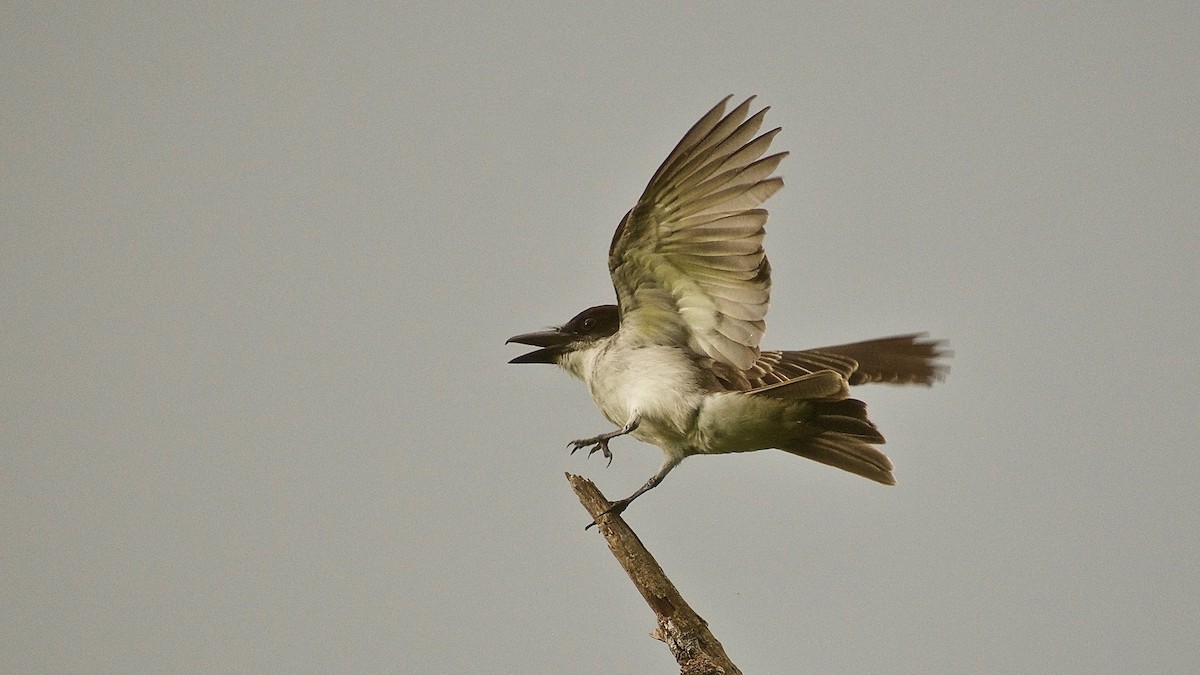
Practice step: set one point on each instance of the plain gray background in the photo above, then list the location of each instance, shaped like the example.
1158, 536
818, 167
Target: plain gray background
259, 263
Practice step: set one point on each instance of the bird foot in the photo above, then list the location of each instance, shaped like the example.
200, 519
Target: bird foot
614, 509
597, 443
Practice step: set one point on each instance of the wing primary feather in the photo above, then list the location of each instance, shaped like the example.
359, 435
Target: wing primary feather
746, 174
702, 164
693, 136
730, 200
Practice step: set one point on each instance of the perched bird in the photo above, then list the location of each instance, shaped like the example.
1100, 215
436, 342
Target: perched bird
676, 362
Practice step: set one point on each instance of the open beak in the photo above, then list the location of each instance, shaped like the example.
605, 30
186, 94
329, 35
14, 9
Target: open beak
552, 342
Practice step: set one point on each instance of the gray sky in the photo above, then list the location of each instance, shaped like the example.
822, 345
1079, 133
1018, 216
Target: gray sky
260, 263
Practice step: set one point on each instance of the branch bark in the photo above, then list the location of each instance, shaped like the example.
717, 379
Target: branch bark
694, 647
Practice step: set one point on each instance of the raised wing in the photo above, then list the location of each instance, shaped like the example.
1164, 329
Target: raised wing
900, 359
687, 261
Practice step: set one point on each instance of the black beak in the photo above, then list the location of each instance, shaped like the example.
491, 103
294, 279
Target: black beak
552, 341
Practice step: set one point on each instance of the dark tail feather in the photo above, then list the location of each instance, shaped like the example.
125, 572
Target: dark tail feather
845, 440
901, 359
849, 454
847, 416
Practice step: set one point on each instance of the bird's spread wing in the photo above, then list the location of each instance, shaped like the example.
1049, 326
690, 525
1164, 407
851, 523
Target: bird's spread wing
900, 359
687, 261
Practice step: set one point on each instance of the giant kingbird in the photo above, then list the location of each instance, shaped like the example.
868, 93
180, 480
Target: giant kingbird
676, 362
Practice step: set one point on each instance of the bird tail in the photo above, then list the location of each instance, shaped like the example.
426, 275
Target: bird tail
844, 440
900, 359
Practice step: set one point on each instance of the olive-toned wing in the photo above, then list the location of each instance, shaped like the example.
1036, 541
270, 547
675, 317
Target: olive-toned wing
687, 261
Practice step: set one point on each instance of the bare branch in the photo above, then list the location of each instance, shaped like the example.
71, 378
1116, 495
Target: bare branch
686, 634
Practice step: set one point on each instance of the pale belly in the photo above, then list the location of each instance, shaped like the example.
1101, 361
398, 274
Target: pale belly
658, 385
681, 412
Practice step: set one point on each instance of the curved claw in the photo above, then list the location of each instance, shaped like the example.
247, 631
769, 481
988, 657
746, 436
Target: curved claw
600, 443
602, 447
615, 509
597, 445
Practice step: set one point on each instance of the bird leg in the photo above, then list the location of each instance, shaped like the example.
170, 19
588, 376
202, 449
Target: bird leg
619, 506
600, 443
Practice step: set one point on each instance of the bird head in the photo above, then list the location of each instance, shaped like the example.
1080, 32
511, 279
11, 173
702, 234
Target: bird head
584, 330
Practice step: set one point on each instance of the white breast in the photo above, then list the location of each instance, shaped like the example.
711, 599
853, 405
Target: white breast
660, 385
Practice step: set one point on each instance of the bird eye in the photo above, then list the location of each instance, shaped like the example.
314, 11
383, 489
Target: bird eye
589, 323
